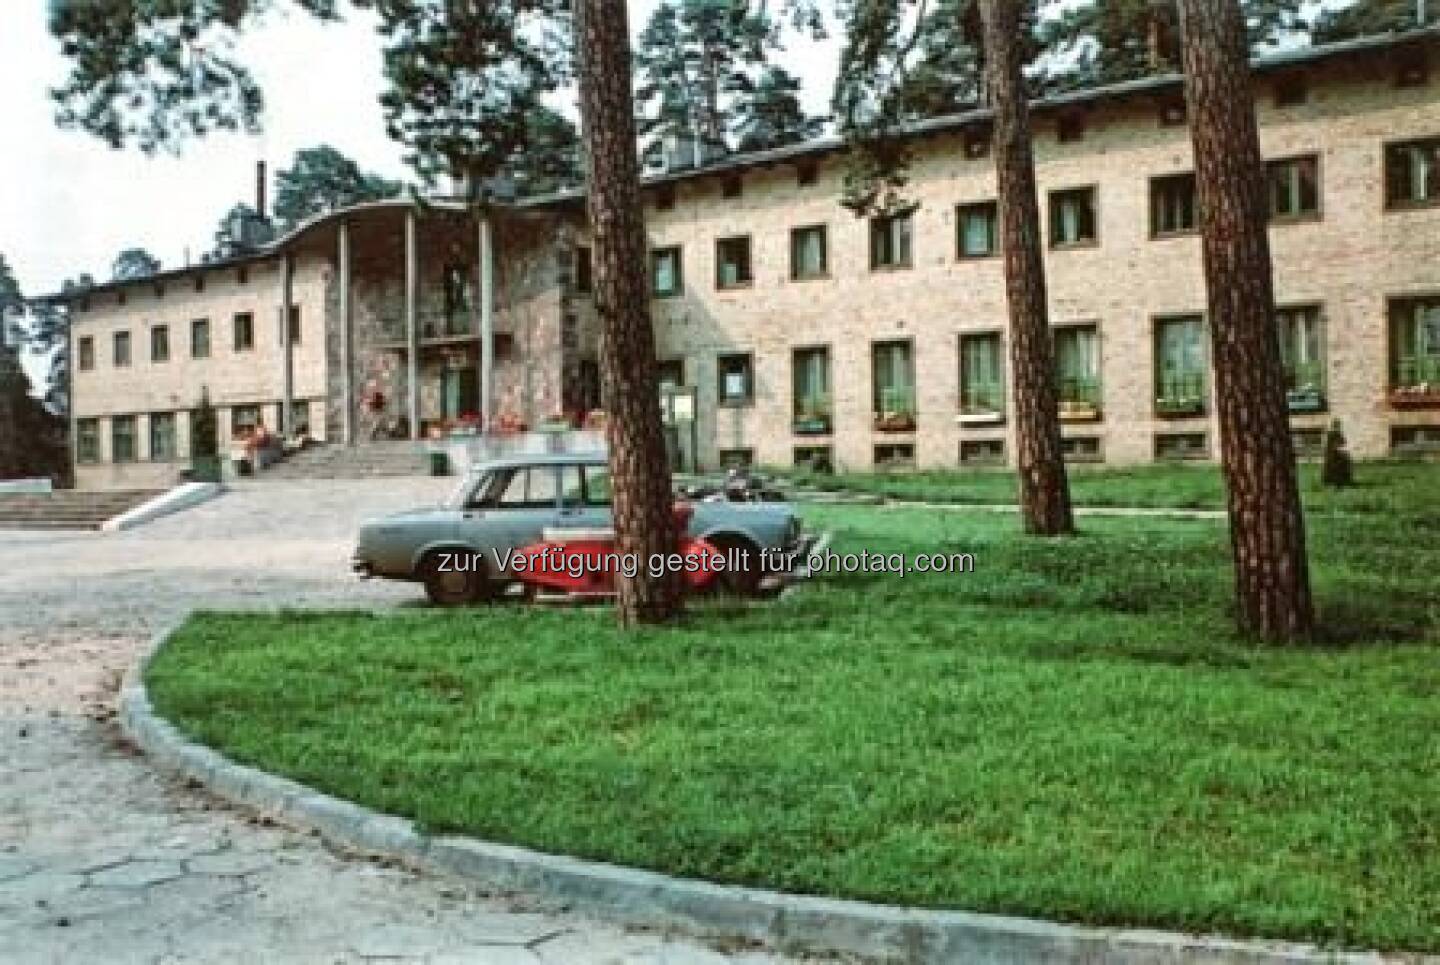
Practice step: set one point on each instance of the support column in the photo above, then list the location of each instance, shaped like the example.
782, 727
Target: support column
347, 338
287, 346
486, 295
412, 328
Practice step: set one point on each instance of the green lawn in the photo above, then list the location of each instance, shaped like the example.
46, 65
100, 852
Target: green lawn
1158, 486
1069, 732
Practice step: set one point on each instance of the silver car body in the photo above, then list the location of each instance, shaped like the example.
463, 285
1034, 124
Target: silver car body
482, 517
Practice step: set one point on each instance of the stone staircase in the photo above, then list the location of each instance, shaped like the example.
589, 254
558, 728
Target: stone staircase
369, 460
68, 508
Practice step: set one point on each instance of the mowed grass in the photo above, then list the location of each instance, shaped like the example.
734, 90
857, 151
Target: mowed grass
1156, 486
1071, 731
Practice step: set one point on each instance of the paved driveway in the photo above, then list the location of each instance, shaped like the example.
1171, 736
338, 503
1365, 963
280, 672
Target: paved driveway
103, 860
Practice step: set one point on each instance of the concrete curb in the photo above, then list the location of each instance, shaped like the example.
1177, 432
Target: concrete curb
792, 923
172, 500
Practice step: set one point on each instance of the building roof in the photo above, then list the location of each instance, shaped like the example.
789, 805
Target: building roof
1152, 85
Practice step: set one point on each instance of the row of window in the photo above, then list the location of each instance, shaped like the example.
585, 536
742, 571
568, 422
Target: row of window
242, 340
1412, 178
1180, 366
1166, 447
164, 443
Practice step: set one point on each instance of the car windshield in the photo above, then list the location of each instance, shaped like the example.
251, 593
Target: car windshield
468, 483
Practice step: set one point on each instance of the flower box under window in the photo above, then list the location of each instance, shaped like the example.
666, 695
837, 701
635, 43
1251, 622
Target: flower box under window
1412, 397
1181, 394
1073, 410
1308, 399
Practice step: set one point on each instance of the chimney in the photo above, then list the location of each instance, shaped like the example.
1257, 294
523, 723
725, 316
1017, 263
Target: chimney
260, 189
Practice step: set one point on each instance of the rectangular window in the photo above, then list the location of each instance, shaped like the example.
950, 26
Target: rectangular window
895, 456
162, 436
87, 353
1173, 446
122, 438
1070, 128
1294, 187
978, 229
982, 452
160, 343
1072, 218
732, 186
1172, 204
808, 255
982, 377
665, 272
87, 440
300, 413
1077, 369
893, 386
1415, 440
457, 300
732, 262
200, 338
977, 141
736, 379
1302, 351
817, 459
295, 331
811, 377
671, 372
737, 458
665, 197
1081, 449
584, 271
244, 325
1308, 443
1412, 173
806, 173
1415, 353
1291, 91
243, 418
890, 241
1180, 366
121, 356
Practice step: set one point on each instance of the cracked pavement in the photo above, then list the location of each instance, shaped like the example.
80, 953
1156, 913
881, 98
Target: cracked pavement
103, 859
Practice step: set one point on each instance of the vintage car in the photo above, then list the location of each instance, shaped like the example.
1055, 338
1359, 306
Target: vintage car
463, 550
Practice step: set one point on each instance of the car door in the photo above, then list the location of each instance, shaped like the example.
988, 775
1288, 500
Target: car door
516, 512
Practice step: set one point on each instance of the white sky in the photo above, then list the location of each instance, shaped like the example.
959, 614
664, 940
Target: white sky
69, 204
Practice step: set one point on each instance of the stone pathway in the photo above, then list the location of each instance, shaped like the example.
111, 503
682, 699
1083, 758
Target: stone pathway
103, 860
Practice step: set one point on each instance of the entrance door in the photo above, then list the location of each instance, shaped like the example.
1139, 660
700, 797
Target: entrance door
459, 392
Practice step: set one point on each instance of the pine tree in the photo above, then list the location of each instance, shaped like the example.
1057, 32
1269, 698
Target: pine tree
133, 263
772, 116
1267, 529
697, 63
321, 179
640, 470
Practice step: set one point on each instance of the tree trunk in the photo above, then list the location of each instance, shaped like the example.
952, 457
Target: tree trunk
640, 471
1044, 489
1267, 529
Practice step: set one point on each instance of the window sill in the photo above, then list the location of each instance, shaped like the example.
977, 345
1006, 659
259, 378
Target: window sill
1198, 412
736, 403
823, 276
1408, 401
1081, 415
1421, 205
1308, 217
988, 256
737, 286
980, 418
1170, 235
1074, 245
889, 268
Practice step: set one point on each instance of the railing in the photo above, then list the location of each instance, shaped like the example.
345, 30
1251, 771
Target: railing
897, 412
1417, 370
1180, 394
982, 398
1083, 389
812, 415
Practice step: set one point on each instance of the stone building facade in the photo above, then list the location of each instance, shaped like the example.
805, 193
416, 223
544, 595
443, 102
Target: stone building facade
805, 334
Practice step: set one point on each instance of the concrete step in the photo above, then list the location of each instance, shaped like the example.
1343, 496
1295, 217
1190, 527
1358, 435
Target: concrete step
68, 508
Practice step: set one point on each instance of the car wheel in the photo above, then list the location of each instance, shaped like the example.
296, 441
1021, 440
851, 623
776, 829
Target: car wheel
448, 586
743, 580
